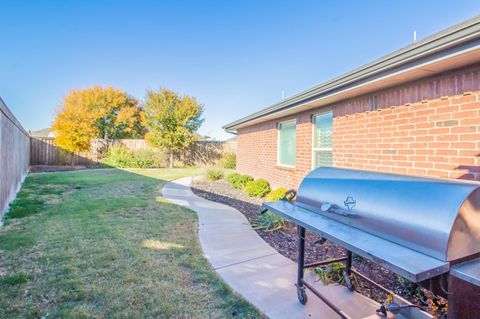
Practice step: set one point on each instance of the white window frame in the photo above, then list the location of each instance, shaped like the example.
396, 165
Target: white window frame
278, 143
314, 149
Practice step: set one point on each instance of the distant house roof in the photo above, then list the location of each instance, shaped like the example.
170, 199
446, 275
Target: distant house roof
451, 48
45, 132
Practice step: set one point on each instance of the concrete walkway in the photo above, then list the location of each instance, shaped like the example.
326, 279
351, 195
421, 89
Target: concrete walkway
254, 269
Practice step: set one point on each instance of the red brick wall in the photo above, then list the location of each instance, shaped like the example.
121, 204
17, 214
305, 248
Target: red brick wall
429, 127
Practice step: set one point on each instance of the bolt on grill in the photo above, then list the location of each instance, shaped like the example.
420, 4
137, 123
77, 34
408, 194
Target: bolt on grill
423, 229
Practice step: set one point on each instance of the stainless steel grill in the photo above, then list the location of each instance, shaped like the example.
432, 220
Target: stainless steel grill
426, 230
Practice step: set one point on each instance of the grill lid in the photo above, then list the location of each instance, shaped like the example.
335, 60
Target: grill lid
437, 217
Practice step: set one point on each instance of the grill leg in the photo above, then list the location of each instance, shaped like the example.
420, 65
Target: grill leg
348, 271
348, 262
302, 296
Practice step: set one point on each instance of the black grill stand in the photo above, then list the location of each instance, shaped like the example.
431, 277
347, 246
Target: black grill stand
302, 284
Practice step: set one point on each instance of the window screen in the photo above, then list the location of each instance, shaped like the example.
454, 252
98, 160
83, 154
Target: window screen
322, 140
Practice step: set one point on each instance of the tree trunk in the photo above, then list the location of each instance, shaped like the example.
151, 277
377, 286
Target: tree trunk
171, 160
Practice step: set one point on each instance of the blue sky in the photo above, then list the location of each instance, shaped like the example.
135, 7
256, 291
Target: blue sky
234, 56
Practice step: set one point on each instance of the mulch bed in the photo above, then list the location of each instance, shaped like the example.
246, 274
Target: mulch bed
285, 240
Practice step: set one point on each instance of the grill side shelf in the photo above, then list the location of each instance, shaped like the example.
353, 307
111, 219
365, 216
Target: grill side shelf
404, 261
468, 271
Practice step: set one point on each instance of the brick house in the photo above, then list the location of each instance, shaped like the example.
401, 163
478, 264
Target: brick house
415, 111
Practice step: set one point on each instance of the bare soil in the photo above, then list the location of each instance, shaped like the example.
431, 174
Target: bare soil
285, 242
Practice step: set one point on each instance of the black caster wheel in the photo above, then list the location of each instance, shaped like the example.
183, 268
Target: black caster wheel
349, 283
302, 296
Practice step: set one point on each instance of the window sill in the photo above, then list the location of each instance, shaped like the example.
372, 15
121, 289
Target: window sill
285, 167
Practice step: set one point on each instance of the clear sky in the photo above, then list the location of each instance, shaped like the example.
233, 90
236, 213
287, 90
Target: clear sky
236, 57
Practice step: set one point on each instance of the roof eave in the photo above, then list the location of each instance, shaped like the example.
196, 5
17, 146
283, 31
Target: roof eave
429, 47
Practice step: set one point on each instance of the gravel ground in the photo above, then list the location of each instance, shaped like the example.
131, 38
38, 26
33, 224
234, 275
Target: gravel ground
284, 241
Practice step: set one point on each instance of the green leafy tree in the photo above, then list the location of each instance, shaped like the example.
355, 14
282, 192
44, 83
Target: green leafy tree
171, 120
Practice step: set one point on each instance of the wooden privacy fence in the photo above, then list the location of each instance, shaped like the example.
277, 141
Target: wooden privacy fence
14, 156
44, 152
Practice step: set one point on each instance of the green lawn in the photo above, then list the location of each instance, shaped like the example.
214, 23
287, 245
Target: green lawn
104, 243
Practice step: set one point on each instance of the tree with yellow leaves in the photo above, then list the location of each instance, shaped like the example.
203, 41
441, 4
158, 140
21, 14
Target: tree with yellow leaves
171, 120
96, 113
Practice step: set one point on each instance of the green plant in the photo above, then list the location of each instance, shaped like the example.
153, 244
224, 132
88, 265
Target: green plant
171, 120
409, 288
149, 158
228, 161
14, 280
276, 194
24, 205
214, 173
258, 188
331, 273
238, 180
119, 156
269, 221
233, 177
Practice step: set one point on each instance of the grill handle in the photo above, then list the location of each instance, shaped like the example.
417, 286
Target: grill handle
333, 209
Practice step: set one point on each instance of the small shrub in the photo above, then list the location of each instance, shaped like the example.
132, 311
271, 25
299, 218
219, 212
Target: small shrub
409, 288
331, 273
269, 221
257, 188
228, 161
276, 194
119, 156
232, 178
238, 180
149, 158
214, 173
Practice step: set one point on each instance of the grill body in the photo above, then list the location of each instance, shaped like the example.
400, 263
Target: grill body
424, 229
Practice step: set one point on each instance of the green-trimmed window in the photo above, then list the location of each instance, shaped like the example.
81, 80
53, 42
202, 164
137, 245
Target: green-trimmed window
287, 145
322, 140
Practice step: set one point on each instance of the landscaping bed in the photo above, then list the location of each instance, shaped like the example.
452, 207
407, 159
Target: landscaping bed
285, 242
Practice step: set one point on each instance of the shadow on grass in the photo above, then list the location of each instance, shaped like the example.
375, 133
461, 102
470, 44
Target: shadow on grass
40, 190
